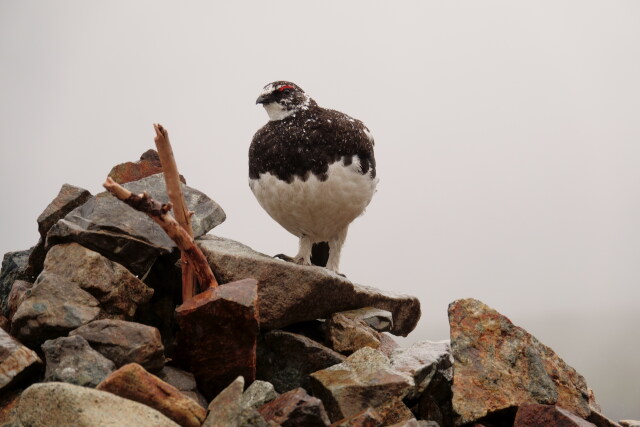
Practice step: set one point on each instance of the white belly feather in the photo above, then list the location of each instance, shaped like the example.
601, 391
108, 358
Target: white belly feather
313, 208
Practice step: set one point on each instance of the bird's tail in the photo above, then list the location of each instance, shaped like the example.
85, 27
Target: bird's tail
320, 254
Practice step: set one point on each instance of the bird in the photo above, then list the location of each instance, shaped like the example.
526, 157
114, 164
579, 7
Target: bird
313, 170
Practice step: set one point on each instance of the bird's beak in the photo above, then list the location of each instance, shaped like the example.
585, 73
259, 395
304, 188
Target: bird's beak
265, 99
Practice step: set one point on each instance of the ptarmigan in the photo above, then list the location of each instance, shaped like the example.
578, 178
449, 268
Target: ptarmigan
312, 169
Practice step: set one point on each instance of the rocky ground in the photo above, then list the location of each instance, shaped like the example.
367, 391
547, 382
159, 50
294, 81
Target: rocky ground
94, 334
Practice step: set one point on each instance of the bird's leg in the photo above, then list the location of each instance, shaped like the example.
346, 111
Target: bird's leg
335, 247
304, 252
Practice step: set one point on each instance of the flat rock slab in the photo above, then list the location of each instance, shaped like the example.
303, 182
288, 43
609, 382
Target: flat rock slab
72, 360
366, 379
498, 365
286, 359
296, 408
122, 234
125, 342
290, 293
133, 382
219, 330
62, 404
535, 415
17, 362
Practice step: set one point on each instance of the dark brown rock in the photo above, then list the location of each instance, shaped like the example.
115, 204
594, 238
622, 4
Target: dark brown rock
601, 421
8, 407
219, 328
17, 296
366, 379
536, 415
286, 359
72, 360
125, 235
14, 265
291, 293
125, 342
183, 381
498, 365
134, 383
346, 334
17, 362
5, 325
149, 164
295, 408
69, 198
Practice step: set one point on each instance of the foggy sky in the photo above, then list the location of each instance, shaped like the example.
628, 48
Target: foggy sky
507, 142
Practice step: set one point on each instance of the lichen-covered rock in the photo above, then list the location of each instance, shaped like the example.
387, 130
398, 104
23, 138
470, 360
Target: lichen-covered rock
421, 361
76, 286
296, 408
286, 359
125, 235
134, 383
72, 360
125, 342
63, 404
347, 334
228, 409
290, 293
17, 362
366, 379
498, 365
258, 393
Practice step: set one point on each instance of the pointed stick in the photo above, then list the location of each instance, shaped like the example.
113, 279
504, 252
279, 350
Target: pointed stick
160, 214
174, 191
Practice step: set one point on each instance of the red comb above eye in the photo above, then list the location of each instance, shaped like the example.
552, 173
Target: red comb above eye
280, 89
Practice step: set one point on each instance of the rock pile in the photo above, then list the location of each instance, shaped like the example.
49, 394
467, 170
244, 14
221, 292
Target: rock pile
94, 333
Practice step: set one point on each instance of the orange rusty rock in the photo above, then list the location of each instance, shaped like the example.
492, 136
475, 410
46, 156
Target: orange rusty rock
134, 383
149, 164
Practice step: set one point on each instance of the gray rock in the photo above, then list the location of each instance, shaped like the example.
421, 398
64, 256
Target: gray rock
227, 409
62, 404
125, 342
125, 235
14, 265
17, 362
183, 381
53, 307
72, 360
290, 293
630, 423
366, 379
286, 359
378, 319
258, 393
118, 291
68, 199
421, 362
76, 286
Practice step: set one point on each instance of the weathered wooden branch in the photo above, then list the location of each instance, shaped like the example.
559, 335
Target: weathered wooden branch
160, 214
180, 211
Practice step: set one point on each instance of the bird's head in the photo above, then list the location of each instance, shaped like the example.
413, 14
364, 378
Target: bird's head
282, 99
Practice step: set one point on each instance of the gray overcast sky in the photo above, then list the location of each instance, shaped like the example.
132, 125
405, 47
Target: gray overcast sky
507, 140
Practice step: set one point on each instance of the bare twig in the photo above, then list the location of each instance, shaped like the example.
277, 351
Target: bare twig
159, 213
174, 191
